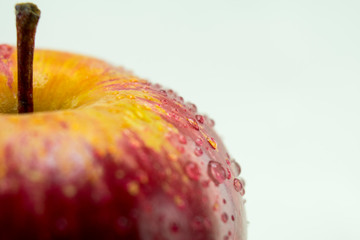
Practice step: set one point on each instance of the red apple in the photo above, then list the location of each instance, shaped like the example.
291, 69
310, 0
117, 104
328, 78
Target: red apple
108, 155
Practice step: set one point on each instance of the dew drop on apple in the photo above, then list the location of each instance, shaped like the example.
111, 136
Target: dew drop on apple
242, 192
199, 141
163, 92
170, 93
216, 172
182, 139
211, 122
238, 186
200, 118
181, 149
156, 85
224, 217
192, 171
242, 182
236, 168
193, 123
198, 152
192, 107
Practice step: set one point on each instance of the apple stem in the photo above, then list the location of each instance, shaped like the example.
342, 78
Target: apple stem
27, 17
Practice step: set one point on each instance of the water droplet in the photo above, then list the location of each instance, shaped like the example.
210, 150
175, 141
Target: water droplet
193, 123
200, 118
181, 99
242, 181
224, 217
198, 152
236, 168
165, 101
238, 185
182, 139
163, 92
192, 107
181, 149
198, 141
170, 92
212, 142
211, 122
242, 192
192, 170
232, 218
174, 228
228, 173
216, 172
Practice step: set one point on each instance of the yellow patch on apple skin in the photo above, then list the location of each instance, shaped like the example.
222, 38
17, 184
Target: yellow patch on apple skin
133, 188
80, 102
35, 175
179, 201
69, 190
212, 142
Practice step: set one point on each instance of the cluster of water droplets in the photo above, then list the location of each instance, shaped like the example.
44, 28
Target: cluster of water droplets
215, 170
196, 128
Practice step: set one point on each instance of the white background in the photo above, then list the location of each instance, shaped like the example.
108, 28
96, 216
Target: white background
280, 78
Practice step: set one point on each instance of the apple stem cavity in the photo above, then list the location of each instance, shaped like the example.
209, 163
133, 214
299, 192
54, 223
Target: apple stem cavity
27, 17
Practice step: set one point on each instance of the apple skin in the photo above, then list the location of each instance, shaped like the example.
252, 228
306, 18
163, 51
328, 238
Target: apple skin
107, 155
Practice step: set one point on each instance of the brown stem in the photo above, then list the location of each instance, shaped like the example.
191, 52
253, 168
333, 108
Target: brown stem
27, 17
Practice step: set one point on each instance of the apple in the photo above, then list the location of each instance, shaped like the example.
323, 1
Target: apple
104, 154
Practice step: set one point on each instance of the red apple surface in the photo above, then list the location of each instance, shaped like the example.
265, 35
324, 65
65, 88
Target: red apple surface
108, 155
